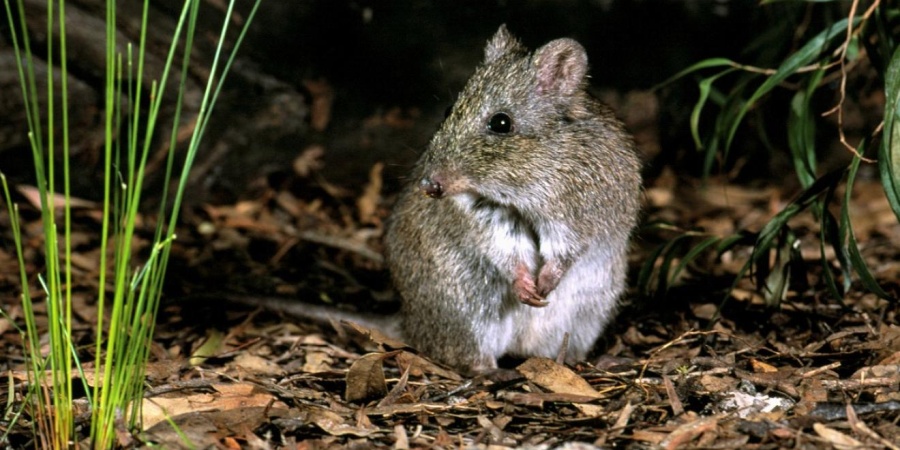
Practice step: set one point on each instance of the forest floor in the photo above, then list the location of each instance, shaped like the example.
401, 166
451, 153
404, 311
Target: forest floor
809, 372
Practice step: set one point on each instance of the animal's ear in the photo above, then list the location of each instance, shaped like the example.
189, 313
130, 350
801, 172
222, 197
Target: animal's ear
502, 43
561, 67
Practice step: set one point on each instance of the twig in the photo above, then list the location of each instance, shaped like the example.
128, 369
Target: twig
839, 108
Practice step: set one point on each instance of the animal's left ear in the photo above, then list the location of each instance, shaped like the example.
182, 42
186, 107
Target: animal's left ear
561, 66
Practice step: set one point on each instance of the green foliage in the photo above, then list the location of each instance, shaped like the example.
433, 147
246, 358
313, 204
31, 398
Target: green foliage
889, 152
822, 53
126, 319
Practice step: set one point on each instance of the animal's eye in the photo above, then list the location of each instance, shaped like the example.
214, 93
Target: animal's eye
500, 123
448, 111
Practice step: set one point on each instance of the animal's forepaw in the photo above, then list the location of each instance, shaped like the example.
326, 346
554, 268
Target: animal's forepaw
526, 290
548, 278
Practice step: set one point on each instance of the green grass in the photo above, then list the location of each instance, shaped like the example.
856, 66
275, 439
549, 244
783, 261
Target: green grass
127, 311
830, 50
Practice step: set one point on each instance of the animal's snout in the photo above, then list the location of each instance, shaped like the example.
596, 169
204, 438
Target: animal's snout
431, 187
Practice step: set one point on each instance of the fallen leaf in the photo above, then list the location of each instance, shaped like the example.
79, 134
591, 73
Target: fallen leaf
209, 347
419, 366
320, 106
376, 336
761, 367
334, 424
33, 195
226, 396
365, 379
401, 438
367, 203
316, 361
557, 378
309, 161
674, 401
257, 365
689, 431
834, 437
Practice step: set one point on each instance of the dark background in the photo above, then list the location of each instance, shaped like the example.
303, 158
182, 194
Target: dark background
391, 69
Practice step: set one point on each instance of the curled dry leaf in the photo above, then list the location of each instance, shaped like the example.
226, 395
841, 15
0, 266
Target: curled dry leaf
309, 161
368, 202
419, 366
333, 423
225, 397
401, 438
365, 379
398, 390
322, 98
689, 431
33, 195
211, 346
834, 437
376, 336
257, 365
557, 378
761, 367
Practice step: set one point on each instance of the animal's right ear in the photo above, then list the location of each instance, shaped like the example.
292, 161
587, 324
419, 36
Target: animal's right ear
502, 43
561, 67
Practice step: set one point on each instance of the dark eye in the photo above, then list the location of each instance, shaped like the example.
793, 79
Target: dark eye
500, 123
448, 111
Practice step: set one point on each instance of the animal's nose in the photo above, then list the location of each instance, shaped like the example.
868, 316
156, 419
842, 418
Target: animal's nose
431, 187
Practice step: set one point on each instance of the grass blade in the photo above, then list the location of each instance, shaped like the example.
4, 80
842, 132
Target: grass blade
865, 276
801, 131
889, 151
802, 57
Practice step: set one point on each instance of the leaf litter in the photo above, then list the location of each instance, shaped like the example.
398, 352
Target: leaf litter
677, 369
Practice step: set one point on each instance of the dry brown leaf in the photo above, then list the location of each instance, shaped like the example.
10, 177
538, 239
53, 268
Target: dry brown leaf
257, 365
365, 379
705, 311
5, 324
538, 399
651, 436
761, 367
633, 336
834, 437
658, 197
157, 371
674, 401
317, 361
554, 377
861, 428
376, 336
290, 203
489, 427
689, 431
401, 438
33, 195
227, 396
396, 392
419, 366
309, 160
623, 419
416, 408
878, 371
334, 424
367, 203
716, 384
320, 106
